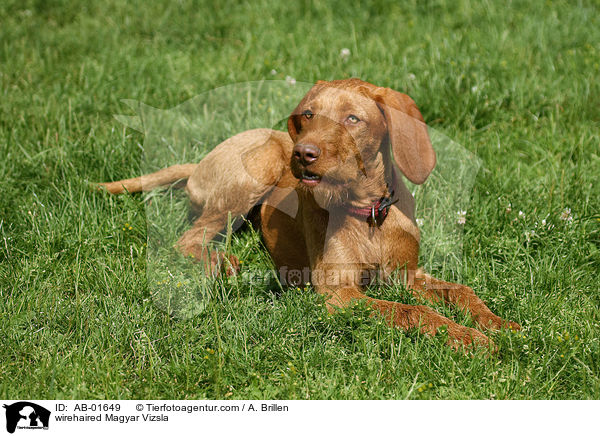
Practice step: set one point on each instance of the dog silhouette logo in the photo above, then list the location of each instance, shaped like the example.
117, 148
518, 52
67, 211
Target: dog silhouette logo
26, 415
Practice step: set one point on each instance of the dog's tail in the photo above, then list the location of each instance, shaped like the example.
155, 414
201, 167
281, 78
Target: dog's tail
151, 181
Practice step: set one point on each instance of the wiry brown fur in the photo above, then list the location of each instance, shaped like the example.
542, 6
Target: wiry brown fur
308, 227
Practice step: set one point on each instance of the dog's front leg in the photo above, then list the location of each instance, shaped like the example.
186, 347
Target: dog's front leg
403, 316
461, 296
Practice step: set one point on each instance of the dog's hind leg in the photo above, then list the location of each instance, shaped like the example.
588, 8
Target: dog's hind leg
229, 181
195, 243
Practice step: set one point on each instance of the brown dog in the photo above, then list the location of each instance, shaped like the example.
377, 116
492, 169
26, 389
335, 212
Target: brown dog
330, 201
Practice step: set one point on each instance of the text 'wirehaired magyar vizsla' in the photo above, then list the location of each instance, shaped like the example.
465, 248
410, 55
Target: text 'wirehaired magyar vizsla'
337, 168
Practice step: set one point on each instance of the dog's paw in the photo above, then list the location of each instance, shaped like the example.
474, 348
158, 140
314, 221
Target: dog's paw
469, 339
494, 322
215, 262
513, 325
223, 263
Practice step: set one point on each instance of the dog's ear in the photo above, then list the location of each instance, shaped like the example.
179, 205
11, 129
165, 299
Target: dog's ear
407, 133
294, 121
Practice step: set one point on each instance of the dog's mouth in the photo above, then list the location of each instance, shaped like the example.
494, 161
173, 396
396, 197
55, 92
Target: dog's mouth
309, 179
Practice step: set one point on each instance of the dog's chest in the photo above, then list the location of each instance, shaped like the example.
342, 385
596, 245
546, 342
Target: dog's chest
392, 245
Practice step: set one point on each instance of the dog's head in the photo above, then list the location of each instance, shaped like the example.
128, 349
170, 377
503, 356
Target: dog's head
343, 132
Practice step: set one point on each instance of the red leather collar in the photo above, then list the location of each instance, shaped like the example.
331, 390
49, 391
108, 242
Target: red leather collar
376, 214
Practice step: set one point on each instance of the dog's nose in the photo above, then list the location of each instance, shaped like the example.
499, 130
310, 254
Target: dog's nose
306, 153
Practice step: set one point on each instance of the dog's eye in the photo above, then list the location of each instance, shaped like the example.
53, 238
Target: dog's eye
352, 119
307, 114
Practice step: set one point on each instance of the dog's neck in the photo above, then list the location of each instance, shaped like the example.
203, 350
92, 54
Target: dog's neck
384, 188
375, 185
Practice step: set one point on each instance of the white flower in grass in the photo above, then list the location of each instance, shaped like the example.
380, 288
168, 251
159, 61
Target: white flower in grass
566, 215
290, 80
509, 208
529, 234
411, 76
461, 217
545, 225
420, 222
273, 72
521, 214
345, 54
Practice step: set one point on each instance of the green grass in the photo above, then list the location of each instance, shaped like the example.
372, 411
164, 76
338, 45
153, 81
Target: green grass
515, 83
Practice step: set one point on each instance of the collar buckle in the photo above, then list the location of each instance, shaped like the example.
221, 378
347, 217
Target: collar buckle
380, 210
